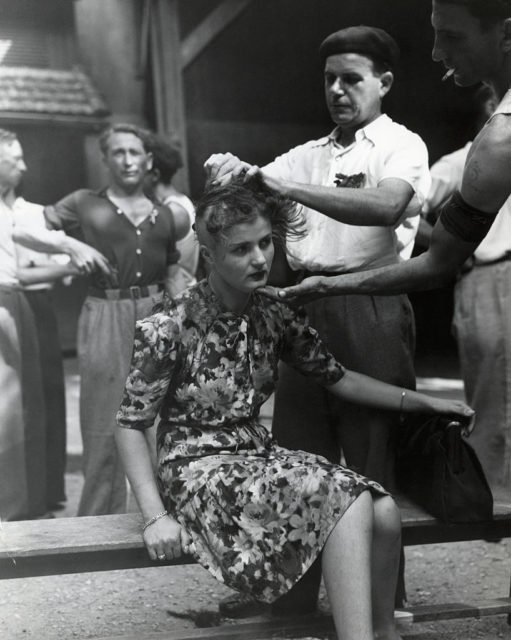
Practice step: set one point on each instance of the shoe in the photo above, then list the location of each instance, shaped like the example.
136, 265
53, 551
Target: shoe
241, 605
56, 506
45, 516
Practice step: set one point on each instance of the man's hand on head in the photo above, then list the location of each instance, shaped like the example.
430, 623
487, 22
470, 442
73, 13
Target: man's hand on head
308, 290
221, 168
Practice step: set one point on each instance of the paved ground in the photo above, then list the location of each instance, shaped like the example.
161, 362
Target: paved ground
140, 602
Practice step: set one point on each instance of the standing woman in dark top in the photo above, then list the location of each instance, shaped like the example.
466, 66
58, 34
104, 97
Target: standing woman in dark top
138, 237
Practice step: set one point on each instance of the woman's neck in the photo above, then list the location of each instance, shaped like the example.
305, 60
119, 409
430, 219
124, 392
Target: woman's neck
232, 298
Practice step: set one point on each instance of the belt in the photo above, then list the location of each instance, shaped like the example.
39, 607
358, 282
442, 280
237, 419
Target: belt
471, 263
504, 258
134, 293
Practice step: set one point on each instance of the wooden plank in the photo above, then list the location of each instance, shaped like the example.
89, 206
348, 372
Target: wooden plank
168, 81
74, 545
123, 532
100, 543
421, 528
300, 626
220, 18
295, 627
458, 610
81, 562
66, 535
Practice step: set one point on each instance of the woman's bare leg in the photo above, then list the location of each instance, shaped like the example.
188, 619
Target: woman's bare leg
347, 570
385, 556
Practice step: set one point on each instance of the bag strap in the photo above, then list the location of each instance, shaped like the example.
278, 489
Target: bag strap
453, 435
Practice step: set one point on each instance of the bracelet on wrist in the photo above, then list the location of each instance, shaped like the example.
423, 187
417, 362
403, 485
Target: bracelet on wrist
401, 403
162, 514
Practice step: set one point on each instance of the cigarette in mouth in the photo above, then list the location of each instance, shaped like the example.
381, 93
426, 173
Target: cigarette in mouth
448, 74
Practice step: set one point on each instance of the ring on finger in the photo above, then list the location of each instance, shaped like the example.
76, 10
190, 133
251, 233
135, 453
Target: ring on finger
161, 556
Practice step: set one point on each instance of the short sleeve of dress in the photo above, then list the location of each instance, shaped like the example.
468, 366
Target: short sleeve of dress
154, 355
303, 349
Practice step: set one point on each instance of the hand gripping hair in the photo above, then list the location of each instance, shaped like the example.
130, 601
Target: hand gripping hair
224, 206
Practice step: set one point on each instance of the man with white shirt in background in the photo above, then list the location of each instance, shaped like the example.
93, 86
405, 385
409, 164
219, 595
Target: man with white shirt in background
22, 423
38, 273
473, 42
482, 312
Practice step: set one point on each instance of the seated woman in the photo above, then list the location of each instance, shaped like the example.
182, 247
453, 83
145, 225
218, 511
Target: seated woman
254, 514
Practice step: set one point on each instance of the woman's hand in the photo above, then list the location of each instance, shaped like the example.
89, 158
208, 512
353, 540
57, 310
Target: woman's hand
458, 411
166, 539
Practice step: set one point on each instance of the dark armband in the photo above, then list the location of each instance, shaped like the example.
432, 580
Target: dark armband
464, 221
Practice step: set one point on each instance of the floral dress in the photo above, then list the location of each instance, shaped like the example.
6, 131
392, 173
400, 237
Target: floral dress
258, 514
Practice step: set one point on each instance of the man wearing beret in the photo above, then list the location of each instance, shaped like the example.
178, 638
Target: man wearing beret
473, 41
356, 185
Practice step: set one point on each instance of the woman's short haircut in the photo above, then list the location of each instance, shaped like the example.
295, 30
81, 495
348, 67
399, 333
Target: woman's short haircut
222, 207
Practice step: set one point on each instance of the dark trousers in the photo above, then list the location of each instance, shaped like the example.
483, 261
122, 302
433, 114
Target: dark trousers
373, 335
54, 392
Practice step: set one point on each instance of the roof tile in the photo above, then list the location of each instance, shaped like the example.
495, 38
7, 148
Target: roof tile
49, 91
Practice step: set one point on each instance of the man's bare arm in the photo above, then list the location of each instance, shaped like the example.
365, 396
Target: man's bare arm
427, 271
486, 187
84, 257
487, 174
48, 272
379, 206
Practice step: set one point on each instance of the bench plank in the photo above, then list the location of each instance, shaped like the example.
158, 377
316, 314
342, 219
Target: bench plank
101, 543
319, 625
421, 528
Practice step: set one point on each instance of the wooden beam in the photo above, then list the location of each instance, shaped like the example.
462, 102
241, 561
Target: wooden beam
210, 28
167, 79
322, 625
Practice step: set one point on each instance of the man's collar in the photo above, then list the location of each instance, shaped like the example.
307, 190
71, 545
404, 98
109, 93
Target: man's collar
374, 131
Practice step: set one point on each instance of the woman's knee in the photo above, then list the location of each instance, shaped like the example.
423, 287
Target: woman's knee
387, 517
359, 514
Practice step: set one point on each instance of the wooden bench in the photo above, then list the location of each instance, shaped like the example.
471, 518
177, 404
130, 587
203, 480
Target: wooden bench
102, 543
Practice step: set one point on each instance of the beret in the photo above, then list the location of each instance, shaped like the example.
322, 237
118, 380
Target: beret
373, 42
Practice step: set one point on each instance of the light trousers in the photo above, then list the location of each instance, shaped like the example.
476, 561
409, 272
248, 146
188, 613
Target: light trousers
482, 326
106, 331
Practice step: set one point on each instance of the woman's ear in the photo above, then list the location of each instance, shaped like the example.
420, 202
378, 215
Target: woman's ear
207, 254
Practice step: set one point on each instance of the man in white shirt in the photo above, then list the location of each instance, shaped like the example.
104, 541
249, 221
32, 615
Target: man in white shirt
378, 171
473, 41
482, 313
22, 470
482, 326
38, 273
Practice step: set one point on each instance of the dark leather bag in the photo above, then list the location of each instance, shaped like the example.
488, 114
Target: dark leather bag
438, 470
